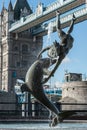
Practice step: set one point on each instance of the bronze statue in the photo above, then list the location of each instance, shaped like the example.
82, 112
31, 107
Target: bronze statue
34, 84
35, 75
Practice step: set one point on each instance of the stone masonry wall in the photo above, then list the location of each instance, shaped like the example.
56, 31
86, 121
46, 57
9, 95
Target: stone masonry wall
7, 99
74, 92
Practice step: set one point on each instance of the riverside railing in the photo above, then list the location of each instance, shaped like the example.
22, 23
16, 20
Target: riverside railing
25, 110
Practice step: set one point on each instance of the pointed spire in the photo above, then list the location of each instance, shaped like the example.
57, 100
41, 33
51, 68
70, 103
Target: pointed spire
3, 7
10, 7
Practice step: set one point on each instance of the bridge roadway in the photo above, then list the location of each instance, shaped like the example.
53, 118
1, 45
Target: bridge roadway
34, 19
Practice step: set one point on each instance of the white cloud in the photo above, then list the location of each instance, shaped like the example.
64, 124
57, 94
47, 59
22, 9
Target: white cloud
66, 60
58, 84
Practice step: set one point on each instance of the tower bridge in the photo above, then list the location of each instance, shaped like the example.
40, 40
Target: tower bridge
36, 19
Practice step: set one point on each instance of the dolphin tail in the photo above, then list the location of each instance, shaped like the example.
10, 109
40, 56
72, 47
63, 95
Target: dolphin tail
55, 121
44, 100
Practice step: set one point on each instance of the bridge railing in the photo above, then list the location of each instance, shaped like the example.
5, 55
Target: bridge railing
55, 5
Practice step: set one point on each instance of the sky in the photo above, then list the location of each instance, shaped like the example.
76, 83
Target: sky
76, 60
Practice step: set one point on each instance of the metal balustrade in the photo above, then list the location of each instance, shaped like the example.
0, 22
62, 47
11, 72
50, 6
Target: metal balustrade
56, 5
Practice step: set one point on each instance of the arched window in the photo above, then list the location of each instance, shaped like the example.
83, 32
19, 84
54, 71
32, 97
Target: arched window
24, 48
15, 47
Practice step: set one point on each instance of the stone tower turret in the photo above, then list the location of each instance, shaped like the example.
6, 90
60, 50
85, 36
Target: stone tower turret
18, 50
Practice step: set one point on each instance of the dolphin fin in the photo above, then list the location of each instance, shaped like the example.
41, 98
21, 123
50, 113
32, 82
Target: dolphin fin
25, 88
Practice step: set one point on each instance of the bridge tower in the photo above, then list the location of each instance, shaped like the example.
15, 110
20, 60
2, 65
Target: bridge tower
17, 51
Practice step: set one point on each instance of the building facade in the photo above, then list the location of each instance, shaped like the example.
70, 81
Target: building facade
17, 50
74, 92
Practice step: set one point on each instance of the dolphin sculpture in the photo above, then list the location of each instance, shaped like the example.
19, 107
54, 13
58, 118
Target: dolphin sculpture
34, 81
34, 84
